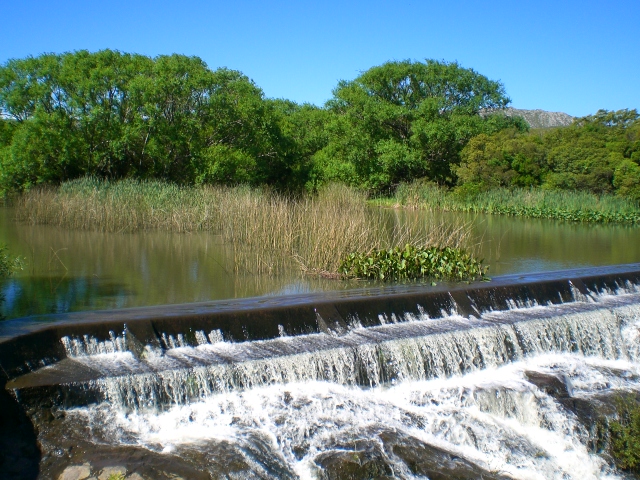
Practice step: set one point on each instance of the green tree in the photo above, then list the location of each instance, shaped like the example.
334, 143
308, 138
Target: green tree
599, 153
303, 134
403, 120
505, 159
626, 179
115, 115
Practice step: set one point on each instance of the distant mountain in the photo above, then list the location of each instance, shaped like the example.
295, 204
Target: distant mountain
541, 118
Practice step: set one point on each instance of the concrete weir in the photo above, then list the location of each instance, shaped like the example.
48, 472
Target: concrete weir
153, 358
37, 353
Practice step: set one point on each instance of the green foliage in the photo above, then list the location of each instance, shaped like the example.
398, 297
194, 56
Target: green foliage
8, 263
626, 179
505, 159
598, 154
413, 262
115, 115
304, 134
405, 120
573, 206
625, 434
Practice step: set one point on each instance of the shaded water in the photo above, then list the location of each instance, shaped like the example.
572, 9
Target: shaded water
77, 270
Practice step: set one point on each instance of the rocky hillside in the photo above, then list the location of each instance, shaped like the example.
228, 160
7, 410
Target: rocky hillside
541, 118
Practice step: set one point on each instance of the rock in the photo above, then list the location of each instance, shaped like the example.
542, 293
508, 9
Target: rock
558, 386
109, 471
135, 476
383, 458
433, 462
76, 472
594, 412
353, 464
541, 118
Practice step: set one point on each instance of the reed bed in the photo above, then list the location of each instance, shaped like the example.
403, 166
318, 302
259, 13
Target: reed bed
573, 206
269, 232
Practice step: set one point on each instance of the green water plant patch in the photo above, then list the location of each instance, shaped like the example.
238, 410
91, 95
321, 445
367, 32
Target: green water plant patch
573, 206
413, 262
8, 263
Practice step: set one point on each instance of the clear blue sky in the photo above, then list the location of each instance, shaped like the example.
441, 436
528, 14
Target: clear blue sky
570, 56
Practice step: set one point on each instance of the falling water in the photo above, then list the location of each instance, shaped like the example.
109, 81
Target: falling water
407, 398
516, 393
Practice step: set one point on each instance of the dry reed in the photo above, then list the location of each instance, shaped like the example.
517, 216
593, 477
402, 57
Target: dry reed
269, 232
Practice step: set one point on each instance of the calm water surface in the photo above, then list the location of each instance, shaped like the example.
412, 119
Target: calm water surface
78, 270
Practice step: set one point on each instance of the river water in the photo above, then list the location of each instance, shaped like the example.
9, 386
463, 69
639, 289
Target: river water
79, 270
517, 394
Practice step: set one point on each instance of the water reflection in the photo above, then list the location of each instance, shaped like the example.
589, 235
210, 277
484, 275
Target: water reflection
79, 270
514, 245
51, 294
76, 270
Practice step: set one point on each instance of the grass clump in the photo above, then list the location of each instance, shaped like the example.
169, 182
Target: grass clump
411, 262
269, 232
625, 434
575, 206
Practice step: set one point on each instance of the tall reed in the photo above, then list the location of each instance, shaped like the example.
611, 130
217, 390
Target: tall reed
535, 203
268, 231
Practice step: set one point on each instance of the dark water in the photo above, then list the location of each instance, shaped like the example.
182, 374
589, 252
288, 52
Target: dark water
77, 270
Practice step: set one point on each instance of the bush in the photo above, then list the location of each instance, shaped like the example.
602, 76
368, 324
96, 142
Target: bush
627, 179
8, 263
413, 262
625, 434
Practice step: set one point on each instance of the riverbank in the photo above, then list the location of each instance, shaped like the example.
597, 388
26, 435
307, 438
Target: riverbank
535, 203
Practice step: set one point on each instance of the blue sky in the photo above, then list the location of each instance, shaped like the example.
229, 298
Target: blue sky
569, 56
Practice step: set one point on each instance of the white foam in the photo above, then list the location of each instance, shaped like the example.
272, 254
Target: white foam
464, 390
493, 417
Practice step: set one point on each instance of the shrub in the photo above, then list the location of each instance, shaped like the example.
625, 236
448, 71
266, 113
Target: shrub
625, 434
8, 263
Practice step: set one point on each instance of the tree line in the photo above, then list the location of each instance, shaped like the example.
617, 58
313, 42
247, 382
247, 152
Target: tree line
116, 115
598, 153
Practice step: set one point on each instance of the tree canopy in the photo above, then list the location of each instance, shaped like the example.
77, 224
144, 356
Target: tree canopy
118, 115
115, 115
599, 153
405, 120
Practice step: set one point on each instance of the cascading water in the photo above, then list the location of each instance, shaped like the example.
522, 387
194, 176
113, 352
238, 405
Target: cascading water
505, 394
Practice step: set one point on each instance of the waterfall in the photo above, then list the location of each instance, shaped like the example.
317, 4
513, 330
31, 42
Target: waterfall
368, 357
496, 393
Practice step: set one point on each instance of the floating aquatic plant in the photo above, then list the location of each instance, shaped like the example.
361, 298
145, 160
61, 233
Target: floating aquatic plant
412, 262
